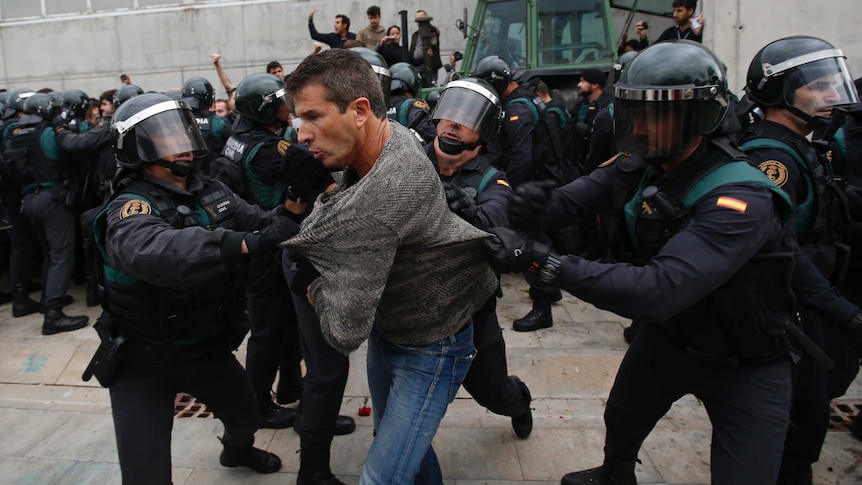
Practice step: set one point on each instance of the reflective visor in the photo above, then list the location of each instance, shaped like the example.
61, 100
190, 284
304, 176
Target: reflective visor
654, 129
168, 133
820, 85
468, 104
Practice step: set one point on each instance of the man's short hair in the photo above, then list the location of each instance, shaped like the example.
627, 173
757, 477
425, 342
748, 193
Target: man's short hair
373, 11
344, 76
108, 95
344, 20
687, 4
272, 66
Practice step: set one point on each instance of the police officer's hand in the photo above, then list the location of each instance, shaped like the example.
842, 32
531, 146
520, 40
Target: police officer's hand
461, 202
853, 332
281, 229
508, 252
60, 122
305, 175
529, 203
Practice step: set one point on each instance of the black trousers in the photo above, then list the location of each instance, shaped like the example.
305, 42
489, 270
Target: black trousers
142, 403
21, 238
274, 342
326, 372
488, 378
54, 226
747, 405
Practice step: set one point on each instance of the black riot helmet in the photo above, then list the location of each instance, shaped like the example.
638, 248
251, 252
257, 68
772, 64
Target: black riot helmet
618, 66
149, 127
15, 102
405, 78
259, 97
198, 93
125, 93
75, 102
471, 103
666, 97
782, 68
380, 67
176, 95
42, 105
496, 71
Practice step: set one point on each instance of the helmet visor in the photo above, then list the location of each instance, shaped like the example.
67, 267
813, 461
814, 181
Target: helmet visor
168, 133
470, 105
816, 87
654, 129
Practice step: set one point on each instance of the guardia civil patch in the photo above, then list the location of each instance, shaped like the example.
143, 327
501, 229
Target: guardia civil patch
421, 104
775, 170
283, 145
135, 207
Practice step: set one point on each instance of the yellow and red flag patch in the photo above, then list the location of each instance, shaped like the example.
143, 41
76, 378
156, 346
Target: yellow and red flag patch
731, 203
503, 182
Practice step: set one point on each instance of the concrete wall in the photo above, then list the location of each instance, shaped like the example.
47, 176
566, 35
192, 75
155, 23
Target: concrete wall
161, 47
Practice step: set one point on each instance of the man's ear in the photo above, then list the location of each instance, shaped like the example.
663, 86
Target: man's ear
362, 108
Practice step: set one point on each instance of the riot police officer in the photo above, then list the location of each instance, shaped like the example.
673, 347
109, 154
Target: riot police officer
125, 93
708, 263
467, 116
199, 94
173, 244
48, 188
797, 81
404, 107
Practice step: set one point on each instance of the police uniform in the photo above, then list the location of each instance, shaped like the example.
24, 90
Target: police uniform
790, 161
405, 110
171, 291
704, 282
488, 379
216, 132
273, 343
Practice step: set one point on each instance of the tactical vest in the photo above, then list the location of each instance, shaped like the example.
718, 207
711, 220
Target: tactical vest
171, 315
822, 218
33, 156
477, 179
241, 148
744, 320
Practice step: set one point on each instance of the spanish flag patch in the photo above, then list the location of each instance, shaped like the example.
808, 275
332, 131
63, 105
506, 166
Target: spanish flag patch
513, 118
503, 182
732, 203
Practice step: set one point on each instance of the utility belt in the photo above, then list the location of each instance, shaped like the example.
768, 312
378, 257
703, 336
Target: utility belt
65, 193
139, 349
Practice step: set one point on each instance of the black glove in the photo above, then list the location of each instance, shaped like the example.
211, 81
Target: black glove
853, 333
529, 203
305, 175
281, 229
461, 202
60, 121
508, 252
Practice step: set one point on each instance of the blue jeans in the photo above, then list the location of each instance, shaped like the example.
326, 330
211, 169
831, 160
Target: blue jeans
411, 387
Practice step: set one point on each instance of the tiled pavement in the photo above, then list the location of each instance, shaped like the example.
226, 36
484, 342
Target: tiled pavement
56, 429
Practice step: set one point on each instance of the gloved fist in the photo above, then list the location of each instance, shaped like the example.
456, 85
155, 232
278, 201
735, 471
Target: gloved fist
281, 229
305, 175
529, 203
508, 252
461, 201
853, 332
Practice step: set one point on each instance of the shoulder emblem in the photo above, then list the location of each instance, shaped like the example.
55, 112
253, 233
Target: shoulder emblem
283, 145
775, 170
135, 207
731, 203
421, 104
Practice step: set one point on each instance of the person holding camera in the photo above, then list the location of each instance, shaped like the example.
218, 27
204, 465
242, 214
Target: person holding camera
390, 46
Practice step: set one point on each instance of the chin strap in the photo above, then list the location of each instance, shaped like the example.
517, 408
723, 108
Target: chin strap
813, 122
454, 147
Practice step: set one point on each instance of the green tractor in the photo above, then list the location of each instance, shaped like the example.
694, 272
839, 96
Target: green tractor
551, 39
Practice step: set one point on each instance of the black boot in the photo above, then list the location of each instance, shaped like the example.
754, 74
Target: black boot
258, 460
539, 317
56, 321
344, 425
93, 296
631, 331
607, 474
67, 300
314, 467
523, 425
273, 416
22, 304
